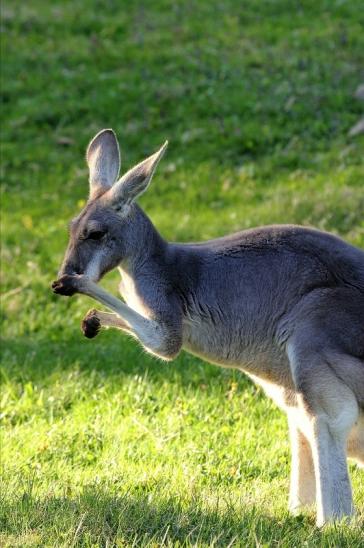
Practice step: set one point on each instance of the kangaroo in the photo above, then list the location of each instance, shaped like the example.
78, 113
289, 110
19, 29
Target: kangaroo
284, 304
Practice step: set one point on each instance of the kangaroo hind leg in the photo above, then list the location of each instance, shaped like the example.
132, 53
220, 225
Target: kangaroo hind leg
302, 482
329, 410
356, 441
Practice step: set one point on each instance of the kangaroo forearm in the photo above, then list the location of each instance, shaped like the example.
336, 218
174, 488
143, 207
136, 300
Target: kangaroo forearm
134, 319
162, 337
157, 338
109, 319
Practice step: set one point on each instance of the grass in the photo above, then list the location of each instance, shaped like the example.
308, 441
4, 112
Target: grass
101, 444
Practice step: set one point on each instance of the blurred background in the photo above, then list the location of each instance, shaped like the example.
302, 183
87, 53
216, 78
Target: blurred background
257, 100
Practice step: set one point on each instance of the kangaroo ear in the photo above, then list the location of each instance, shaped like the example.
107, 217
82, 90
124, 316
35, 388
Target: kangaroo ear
136, 180
103, 160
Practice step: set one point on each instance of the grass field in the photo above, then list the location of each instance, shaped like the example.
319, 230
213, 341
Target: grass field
101, 444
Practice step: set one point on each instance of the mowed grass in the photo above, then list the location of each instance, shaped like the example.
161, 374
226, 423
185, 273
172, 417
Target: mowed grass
103, 445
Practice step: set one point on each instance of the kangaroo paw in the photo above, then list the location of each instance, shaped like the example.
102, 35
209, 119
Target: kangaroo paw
91, 324
66, 285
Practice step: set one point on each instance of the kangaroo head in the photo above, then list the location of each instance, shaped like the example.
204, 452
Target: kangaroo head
100, 234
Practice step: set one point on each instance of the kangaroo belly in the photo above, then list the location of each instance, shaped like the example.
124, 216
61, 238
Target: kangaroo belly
261, 357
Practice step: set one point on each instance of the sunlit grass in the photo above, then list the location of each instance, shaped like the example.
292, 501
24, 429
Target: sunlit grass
101, 444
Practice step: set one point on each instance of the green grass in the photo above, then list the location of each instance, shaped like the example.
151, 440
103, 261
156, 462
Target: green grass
101, 444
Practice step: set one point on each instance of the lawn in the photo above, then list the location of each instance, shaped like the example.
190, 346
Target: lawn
101, 444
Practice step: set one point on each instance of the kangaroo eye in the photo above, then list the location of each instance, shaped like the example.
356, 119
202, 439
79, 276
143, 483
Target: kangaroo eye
95, 235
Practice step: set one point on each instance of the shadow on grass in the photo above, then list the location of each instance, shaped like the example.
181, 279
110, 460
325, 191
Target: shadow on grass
95, 517
111, 355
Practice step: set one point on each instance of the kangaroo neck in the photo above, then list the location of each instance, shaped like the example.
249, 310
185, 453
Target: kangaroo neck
145, 244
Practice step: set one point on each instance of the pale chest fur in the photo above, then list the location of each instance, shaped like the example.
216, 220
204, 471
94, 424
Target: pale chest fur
132, 297
283, 397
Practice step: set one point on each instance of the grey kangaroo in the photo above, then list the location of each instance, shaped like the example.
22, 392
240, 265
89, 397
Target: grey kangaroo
284, 304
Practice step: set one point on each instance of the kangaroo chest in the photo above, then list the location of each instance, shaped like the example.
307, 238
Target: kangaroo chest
132, 297
226, 345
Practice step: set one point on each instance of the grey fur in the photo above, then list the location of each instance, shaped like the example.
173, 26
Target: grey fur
284, 304
103, 160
